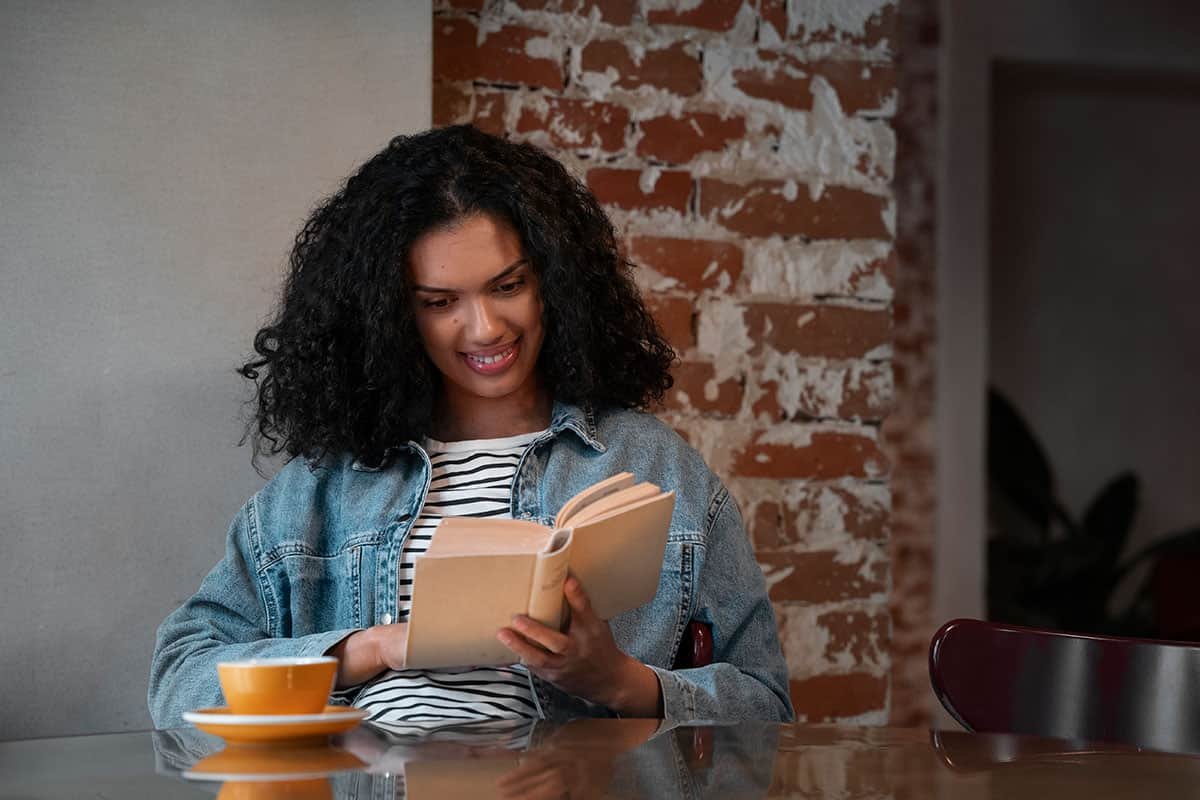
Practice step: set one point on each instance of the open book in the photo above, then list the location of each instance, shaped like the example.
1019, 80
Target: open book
478, 573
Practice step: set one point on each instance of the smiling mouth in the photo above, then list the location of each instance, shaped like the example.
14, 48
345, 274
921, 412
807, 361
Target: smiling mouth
492, 362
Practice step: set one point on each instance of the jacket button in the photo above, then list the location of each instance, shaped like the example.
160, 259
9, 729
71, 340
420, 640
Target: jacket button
386, 619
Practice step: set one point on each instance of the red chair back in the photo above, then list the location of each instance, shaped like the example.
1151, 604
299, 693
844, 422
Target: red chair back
997, 678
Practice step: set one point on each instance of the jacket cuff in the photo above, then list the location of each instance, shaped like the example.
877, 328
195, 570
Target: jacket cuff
679, 697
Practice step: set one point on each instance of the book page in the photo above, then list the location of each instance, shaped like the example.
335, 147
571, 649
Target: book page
474, 536
618, 556
613, 502
591, 494
459, 604
549, 571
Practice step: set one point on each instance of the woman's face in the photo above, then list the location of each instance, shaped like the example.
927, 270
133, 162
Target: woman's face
478, 311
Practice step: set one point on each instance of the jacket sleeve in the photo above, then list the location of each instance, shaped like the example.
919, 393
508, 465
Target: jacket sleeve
225, 619
748, 677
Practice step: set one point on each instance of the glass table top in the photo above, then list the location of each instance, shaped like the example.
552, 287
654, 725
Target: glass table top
593, 758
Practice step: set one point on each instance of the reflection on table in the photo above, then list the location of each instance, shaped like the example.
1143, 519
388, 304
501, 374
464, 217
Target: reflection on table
595, 758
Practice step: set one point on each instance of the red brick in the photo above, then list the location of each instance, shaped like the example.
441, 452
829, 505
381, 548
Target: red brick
829, 455
678, 141
622, 188
864, 636
827, 697
692, 378
772, 527
451, 105
761, 208
574, 124
614, 12
673, 68
713, 15
858, 399
857, 91
696, 263
676, 318
501, 58
823, 576
489, 114
859, 85
777, 84
818, 330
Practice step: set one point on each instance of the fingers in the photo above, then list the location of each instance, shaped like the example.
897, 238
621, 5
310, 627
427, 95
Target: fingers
530, 654
577, 598
546, 638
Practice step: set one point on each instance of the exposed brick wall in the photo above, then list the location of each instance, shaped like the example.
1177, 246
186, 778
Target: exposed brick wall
908, 434
744, 149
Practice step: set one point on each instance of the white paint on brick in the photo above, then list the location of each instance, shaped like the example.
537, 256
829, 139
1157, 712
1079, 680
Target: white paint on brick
889, 217
648, 179
544, 47
790, 190
721, 333
487, 24
678, 6
812, 389
818, 147
598, 84
780, 268
790, 434
846, 17
881, 353
711, 390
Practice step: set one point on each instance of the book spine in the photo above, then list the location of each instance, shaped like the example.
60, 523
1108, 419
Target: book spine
549, 573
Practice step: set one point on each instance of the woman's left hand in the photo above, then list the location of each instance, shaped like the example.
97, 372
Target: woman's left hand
585, 660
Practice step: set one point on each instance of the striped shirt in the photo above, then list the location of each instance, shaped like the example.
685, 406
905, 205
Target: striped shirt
470, 479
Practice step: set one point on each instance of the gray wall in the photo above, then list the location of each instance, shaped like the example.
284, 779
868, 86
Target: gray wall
1151, 35
1094, 283
155, 160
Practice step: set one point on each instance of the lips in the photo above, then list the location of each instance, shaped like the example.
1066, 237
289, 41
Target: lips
493, 361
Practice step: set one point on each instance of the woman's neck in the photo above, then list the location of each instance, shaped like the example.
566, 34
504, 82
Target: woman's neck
463, 418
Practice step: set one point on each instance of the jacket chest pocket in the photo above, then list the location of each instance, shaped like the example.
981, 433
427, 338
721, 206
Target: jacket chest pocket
316, 593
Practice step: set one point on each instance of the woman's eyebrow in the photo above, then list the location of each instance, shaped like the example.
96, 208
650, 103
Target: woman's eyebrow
504, 273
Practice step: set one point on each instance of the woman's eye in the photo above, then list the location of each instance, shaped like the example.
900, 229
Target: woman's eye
511, 287
440, 302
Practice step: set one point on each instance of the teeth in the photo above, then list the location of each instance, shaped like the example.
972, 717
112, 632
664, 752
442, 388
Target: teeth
490, 359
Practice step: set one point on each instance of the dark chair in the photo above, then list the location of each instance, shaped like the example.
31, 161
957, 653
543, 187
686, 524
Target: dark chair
996, 678
696, 649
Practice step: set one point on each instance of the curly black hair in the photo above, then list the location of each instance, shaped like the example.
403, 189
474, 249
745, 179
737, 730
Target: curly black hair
341, 368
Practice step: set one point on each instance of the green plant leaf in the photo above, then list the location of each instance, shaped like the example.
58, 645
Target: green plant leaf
1109, 518
1017, 465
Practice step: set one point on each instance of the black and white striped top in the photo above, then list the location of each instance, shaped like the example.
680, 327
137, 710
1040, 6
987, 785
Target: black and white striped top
470, 479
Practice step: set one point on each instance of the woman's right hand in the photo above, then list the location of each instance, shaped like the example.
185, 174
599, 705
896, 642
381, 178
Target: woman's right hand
364, 654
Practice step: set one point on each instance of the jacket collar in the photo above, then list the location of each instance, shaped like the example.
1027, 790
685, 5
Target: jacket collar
581, 419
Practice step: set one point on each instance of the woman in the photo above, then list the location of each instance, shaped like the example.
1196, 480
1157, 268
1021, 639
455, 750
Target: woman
458, 334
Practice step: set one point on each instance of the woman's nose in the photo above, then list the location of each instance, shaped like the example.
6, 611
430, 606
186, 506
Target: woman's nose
484, 325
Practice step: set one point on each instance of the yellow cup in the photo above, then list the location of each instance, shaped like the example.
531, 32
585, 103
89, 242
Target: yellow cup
278, 685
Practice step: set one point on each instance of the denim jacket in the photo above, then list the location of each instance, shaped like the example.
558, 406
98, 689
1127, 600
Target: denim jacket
314, 556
